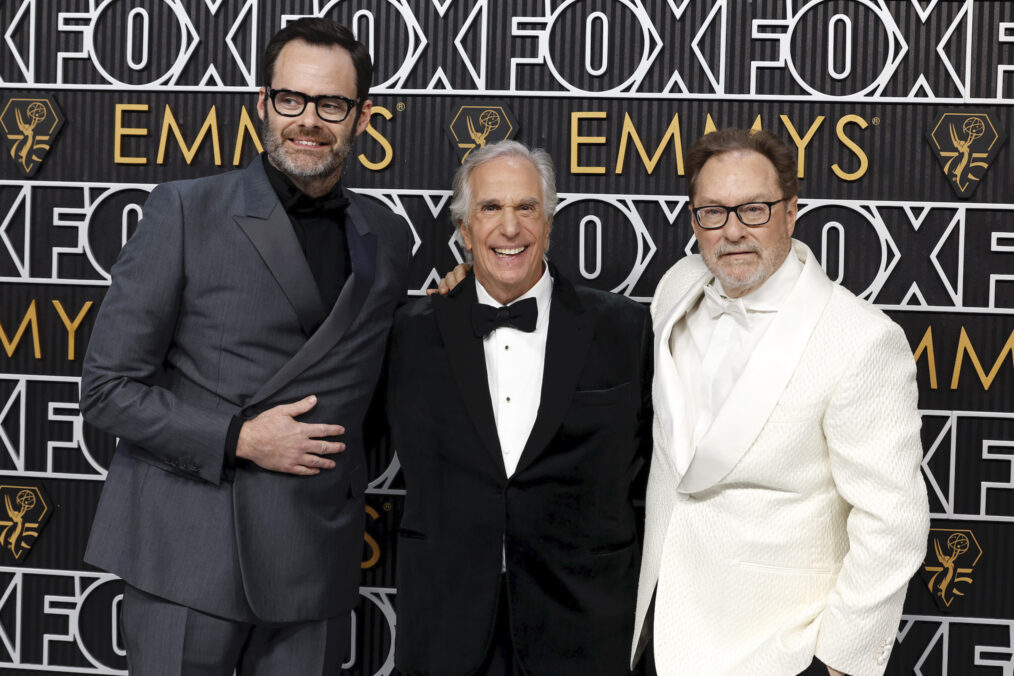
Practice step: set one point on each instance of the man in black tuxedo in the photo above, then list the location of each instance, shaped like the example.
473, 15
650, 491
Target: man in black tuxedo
520, 410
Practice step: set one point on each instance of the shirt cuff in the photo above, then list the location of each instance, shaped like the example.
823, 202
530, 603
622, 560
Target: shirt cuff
231, 441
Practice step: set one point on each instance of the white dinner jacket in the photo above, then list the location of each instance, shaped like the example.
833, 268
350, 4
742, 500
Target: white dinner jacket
803, 514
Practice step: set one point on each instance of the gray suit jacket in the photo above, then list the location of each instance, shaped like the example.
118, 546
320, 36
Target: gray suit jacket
211, 313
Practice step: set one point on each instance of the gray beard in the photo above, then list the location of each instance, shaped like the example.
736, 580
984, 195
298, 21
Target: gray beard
274, 145
767, 267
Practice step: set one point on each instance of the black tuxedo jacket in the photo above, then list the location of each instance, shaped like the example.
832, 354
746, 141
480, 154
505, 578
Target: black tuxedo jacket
565, 520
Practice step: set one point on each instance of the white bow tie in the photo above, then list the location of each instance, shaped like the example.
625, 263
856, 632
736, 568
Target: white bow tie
716, 305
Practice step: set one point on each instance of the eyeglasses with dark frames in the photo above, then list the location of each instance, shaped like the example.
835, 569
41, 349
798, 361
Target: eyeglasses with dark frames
750, 214
330, 107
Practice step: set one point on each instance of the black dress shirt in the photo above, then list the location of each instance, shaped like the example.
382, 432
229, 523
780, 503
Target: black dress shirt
319, 224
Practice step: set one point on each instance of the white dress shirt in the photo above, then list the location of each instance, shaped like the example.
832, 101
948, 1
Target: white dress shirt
713, 343
514, 365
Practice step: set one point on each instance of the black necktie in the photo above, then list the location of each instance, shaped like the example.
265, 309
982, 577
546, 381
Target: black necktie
522, 316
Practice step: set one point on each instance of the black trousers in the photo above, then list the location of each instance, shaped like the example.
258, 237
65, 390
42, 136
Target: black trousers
646, 666
816, 668
502, 660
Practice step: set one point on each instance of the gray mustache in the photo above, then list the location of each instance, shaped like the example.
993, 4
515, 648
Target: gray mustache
723, 250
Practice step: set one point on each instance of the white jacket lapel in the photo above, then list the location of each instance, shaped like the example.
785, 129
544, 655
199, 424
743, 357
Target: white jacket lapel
765, 377
671, 391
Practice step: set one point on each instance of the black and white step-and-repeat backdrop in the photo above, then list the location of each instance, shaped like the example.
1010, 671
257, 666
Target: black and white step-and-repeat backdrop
900, 109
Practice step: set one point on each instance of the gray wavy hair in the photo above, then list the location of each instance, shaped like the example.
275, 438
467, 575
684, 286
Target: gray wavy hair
461, 186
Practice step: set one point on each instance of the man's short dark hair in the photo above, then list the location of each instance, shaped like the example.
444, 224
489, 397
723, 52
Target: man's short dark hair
728, 140
322, 33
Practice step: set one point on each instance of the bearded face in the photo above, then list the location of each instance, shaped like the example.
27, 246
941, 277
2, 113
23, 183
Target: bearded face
307, 148
742, 257
310, 152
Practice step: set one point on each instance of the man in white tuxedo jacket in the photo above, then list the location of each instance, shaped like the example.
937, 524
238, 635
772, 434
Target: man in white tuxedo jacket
785, 508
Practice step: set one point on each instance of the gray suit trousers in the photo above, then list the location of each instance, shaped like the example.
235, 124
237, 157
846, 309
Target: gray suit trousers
167, 639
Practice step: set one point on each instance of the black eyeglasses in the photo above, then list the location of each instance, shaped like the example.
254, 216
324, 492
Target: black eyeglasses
751, 214
330, 107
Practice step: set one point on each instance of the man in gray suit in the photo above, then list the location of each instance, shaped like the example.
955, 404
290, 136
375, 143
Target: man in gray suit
235, 356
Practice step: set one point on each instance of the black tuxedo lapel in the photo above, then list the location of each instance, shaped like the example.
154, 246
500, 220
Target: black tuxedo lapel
468, 362
270, 231
566, 351
363, 252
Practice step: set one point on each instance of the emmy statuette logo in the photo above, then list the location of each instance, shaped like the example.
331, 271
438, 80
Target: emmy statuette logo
950, 560
23, 513
475, 126
29, 126
965, 144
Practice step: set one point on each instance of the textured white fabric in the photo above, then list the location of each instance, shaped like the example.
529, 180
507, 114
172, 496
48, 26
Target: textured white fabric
514, 365
806, 545
725, 332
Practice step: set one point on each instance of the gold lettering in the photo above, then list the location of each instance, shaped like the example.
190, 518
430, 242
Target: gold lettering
576, 140
379, 138
210, 124
801, 143
671, 134
246, 126
371, 542
31, 318
965, 345
710, 126
864, 162
71, 325
926, 345
120, 131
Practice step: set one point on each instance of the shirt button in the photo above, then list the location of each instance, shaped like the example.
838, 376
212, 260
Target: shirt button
508, 400
506, 347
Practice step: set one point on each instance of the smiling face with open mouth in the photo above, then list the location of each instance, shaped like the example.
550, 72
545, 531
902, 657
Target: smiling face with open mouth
309, 150
508, 229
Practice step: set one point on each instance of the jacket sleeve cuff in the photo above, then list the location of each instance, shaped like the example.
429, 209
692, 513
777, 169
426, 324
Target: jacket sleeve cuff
859, 645
231, 440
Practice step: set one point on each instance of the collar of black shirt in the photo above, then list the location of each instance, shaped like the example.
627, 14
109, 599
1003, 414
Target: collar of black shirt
294, 200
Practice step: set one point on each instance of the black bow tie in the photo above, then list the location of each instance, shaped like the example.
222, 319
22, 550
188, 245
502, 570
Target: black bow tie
522, 316
329, 206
